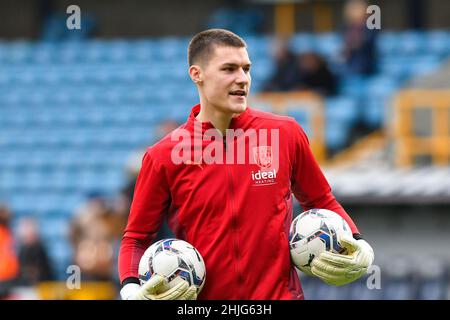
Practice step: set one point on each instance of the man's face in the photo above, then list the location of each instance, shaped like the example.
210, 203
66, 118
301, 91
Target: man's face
226, 79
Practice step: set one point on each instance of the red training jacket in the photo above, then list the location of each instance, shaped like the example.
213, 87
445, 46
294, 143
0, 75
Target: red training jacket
236, 214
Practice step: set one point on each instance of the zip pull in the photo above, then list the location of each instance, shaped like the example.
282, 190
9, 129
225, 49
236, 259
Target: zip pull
225, 143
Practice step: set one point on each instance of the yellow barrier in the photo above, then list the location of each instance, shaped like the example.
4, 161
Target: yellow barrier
408, 143
54, 290
308, 101
284, 19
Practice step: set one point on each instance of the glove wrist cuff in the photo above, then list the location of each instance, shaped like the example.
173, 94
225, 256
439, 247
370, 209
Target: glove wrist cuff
358, 236
129, 291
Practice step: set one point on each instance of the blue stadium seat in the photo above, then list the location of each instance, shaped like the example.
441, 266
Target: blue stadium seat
381, 86
61, 254
387, 43
259, 46
354, 86
438, 43
44, 53
117, 51
72, 112
9, 182
18, 52
302, 117
411, 43
359, 290
323, 291
170, 49
394, 67
308, 286
374, 112
4, 47
423, 65
399, 289
95, 52
70, 52
342, 109
302, 42
262, 69
54, 228
433, 289
336, 135
328, 45
143, 51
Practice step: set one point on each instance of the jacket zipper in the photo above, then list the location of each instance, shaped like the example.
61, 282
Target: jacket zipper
233, 223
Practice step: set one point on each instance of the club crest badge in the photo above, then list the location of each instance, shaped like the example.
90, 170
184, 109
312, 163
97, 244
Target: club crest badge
263, 156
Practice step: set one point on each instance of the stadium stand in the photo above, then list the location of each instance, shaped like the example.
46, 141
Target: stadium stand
72, 112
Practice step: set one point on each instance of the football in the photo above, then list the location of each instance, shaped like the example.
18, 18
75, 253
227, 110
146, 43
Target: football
175, 260
313, 232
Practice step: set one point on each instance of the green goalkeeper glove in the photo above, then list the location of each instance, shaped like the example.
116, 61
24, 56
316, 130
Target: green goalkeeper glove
157, 288
338, 269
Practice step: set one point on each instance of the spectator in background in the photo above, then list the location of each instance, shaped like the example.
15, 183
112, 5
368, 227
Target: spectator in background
314, 74
359, 51
237, 15
35, 265
307, 71
9, 266
92, 233
285, 77
133, 167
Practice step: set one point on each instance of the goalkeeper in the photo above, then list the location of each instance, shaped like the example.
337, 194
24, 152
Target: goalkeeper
236, 213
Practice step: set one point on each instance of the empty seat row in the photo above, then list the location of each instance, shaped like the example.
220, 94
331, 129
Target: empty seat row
170, 49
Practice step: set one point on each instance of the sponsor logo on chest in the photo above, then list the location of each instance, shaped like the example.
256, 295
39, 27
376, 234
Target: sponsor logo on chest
266, 175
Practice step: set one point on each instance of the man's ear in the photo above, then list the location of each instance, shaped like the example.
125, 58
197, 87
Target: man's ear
195, 72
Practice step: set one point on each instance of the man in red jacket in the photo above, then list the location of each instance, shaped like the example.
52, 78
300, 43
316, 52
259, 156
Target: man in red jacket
224, 180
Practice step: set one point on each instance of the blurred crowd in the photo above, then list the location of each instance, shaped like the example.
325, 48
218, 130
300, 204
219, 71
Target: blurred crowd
24, 259
96, 227
306, 71
311, 71
95, 232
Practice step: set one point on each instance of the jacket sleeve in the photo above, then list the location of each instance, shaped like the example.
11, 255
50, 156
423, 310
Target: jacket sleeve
308, 183
150, 203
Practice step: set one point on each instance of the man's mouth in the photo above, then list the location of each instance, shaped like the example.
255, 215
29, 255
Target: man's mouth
239, 93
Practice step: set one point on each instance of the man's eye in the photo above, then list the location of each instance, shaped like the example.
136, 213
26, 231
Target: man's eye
228, 69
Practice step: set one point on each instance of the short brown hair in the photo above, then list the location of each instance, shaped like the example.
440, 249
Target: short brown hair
202, 44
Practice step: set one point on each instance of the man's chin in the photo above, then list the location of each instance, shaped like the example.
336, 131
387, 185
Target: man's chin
232, 107
238, 108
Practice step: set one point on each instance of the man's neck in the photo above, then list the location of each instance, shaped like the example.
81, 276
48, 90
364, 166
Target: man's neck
220, 121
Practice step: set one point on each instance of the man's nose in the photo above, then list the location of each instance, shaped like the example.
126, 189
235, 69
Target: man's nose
242, 77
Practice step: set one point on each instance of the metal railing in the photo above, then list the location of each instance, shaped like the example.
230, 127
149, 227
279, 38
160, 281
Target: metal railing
434, 140
310, 103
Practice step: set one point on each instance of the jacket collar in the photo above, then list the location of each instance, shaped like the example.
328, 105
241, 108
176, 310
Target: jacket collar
236, 122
